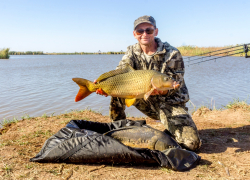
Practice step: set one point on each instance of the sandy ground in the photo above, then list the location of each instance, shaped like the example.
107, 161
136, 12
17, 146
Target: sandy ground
225, 153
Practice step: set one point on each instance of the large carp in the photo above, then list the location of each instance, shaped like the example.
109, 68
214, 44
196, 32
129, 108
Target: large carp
143, 137
126, 83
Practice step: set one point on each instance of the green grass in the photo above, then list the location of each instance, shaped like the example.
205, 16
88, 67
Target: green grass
8, 121
195, 51
4, 53
14, 120
7, 168
237, 104
25, 116
41, 133
54, 171
29, 166
44, 116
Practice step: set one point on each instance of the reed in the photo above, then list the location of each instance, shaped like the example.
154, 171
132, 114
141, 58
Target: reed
4, 53
195, 51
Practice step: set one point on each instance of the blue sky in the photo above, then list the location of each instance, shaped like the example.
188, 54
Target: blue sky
107, 25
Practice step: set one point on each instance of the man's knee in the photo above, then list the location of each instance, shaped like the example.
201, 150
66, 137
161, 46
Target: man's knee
188, 138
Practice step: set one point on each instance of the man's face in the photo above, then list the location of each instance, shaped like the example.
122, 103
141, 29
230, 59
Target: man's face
145, 39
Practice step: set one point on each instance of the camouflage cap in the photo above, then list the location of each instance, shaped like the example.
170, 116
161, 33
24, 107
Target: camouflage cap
145, 19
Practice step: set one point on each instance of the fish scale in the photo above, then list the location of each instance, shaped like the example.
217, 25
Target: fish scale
126, 83
121, 84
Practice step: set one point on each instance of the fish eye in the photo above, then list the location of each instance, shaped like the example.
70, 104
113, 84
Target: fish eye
165, 78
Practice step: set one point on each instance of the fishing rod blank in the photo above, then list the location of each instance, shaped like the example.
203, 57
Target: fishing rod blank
221, 49
214, 58
226, 52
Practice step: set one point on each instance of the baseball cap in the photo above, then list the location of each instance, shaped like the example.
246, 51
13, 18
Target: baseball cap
145, 19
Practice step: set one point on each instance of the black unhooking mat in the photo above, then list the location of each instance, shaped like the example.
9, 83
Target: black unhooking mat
87, 142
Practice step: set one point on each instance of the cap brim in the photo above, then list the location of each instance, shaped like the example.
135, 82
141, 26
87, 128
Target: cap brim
144, 22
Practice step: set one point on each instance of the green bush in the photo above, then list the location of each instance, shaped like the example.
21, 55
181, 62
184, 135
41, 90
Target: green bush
4, 53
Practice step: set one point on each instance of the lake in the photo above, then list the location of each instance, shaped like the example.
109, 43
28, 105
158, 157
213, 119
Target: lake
38, 84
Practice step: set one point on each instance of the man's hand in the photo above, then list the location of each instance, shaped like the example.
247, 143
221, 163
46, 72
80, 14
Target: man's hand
100, 91
155, 92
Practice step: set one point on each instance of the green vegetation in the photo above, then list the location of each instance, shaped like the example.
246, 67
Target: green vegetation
55, 53
44, 116
73, 114
8, 121
233, 105
29, 166
85, 53
7, 168
26, 53
4, 53
195, 51
237, 104
185, 51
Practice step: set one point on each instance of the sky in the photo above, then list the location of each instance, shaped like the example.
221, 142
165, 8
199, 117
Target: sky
107, 25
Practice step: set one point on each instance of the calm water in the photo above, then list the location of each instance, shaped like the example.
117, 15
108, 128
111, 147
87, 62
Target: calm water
36, 85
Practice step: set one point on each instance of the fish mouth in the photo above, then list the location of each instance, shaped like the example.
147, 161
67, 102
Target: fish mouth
176, 85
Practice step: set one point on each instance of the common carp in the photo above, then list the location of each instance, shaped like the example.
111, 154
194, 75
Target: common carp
143, 137
126, 83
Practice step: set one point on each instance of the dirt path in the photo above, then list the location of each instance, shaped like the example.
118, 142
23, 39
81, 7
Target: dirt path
225, 151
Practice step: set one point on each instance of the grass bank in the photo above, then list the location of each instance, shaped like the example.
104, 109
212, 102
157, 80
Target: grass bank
225, 152
195, 51
4, 53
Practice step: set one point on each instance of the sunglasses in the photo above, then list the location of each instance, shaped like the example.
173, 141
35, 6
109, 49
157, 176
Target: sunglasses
141, 31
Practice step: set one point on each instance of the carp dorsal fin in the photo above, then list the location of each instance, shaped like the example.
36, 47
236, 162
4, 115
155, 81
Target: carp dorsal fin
126, 68
130, 102
148, 93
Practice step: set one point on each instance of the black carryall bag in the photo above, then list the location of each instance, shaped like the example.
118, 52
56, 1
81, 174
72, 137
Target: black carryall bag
84, 141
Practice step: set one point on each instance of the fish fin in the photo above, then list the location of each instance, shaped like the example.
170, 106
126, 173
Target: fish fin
86, 88
125, 69
84, 82
130, 102
148, 94
82, 93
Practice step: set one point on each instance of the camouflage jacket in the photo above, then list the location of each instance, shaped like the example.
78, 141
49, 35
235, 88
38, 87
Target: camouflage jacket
168, 60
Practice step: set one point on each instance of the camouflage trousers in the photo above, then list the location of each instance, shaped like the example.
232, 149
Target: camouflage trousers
175, 118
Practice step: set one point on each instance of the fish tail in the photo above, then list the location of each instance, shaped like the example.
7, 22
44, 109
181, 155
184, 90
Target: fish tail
86, 88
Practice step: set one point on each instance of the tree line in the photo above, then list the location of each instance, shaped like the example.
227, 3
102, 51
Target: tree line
26, 53
55, 53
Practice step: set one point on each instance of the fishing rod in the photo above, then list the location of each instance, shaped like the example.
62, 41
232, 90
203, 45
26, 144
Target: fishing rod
244, 48
226, 52
214, 58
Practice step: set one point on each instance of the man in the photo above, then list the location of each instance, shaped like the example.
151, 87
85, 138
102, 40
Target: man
150, 53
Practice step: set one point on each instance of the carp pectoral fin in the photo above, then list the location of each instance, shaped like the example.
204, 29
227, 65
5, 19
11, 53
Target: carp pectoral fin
82, 93
130, 102
148, 94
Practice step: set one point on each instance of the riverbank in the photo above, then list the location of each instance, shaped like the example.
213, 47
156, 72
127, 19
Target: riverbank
185, 51
215, 51
225, 151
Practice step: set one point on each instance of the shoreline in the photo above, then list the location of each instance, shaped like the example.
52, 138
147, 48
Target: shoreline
225, 150
184, 50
